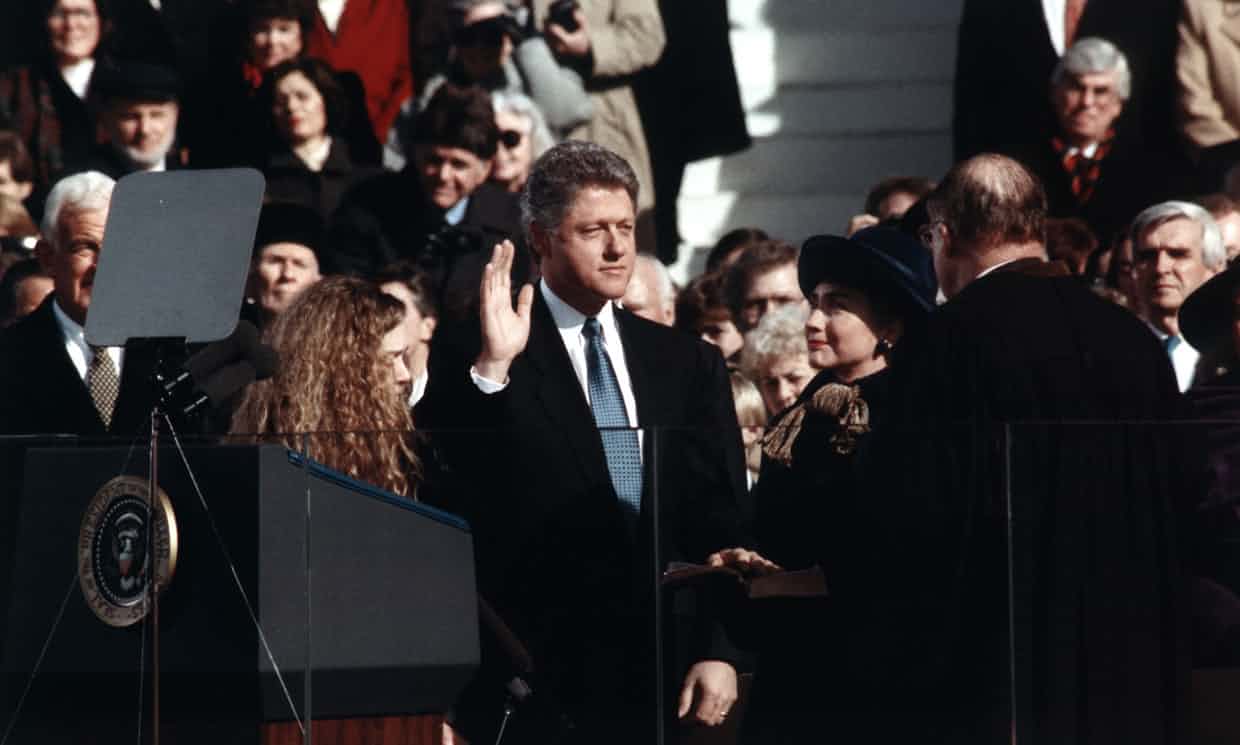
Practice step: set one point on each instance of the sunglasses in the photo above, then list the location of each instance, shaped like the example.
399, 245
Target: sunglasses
488, 33
510, 138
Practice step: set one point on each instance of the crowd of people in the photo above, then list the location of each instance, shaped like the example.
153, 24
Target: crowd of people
461, 263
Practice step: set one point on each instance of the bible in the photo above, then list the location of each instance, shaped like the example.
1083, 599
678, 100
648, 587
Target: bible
798, 583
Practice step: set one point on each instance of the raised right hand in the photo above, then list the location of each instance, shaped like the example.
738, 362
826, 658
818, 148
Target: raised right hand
505, 331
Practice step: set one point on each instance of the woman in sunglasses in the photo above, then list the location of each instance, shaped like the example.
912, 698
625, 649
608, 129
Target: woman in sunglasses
523, 136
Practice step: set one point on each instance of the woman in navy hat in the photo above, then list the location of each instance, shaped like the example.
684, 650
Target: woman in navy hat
865, 291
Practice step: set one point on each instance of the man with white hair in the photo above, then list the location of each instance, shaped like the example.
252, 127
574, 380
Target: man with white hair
1177, 246
650, 293
1092, 168
52, 380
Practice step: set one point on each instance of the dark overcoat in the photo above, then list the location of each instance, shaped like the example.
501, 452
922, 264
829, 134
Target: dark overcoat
1024, 500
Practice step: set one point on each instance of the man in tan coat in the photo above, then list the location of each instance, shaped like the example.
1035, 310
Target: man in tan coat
1208, 68
613, 41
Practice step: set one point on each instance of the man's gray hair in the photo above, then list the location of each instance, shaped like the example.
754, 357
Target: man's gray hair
1213, 252
1094, 55
780, 334
87, 191
564, 170
512, 102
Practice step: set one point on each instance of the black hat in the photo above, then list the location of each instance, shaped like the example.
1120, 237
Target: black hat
138, 81
1206, 316
289, 222
879, 260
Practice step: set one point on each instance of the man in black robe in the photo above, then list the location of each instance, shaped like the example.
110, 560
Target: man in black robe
1020, 574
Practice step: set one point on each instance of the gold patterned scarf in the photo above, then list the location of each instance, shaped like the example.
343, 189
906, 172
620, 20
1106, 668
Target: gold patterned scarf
837, 401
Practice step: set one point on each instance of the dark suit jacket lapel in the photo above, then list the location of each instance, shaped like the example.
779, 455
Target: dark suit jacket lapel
645, 388
48, 357
558, 390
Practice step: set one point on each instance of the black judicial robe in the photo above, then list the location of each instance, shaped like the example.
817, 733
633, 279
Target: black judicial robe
1091, 626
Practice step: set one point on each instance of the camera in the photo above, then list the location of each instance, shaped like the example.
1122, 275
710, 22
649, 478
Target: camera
561, 14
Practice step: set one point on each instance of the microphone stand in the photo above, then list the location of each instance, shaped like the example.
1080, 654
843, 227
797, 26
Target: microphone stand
152, 585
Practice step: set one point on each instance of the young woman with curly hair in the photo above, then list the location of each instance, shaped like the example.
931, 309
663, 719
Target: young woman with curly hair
342, 386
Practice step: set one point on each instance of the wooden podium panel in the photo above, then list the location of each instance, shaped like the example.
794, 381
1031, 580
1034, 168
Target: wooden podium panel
400, 730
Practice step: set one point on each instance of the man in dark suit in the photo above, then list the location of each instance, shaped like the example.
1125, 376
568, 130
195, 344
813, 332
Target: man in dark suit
1089, 167
561, 492
696, 69
440, 211
1023, 578
1007, 50
52, 380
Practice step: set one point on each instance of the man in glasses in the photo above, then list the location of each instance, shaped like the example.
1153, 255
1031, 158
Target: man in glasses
1092, 168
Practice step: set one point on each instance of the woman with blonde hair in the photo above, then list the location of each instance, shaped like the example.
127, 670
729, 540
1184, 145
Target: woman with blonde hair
341, 389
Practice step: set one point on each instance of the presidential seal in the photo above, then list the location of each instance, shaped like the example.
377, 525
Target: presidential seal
114, 546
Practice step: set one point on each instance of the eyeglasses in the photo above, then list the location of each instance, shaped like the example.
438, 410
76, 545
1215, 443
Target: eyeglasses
510, 138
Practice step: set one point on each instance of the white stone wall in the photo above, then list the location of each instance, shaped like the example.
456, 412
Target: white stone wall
839, 94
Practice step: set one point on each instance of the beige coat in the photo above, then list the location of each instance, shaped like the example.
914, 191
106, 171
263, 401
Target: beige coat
1208, 67
626, 36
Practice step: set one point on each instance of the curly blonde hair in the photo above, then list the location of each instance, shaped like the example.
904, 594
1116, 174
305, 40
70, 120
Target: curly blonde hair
334, 390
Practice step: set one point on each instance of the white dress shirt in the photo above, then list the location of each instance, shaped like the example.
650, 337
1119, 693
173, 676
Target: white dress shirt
1087, 151
569, 322
418, 389
1054, 10
331, 10
1183, 359
77, 76
997, 267
79, 351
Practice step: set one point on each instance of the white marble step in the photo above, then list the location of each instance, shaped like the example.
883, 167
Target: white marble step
835, 14
766, 59
834, 110
796, 165
798, 215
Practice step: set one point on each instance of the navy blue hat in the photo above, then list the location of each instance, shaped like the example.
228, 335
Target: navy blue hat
878, 260
1206, 315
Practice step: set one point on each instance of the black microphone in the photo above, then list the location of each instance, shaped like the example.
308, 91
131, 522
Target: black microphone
220, 386
240, 344
266, 361
237, 345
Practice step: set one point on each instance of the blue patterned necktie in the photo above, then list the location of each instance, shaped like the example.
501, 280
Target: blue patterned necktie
619, 441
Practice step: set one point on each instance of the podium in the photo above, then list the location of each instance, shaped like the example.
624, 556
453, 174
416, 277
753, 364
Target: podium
298, 594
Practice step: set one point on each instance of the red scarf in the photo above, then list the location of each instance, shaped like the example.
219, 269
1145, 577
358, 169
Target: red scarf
1083, 171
